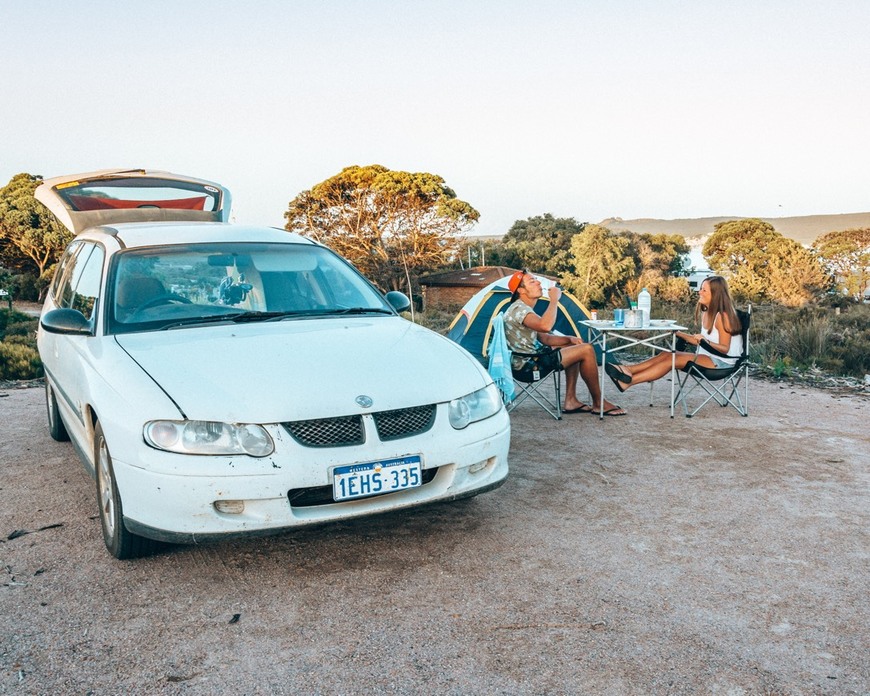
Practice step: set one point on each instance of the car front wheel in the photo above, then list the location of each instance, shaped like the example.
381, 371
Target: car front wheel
56, 428
120, 543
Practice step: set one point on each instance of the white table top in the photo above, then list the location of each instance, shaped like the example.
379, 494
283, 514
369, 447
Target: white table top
654, 325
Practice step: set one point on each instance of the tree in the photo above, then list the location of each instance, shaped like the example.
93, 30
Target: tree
658, 258
795, 275
542, 244
846, 255
392, 225
761, 264
30, 236
601, 263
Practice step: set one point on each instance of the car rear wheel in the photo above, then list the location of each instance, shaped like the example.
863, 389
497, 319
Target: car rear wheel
120, 543
56, 428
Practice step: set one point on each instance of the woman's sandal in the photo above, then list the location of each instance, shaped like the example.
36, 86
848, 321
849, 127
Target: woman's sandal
617, 376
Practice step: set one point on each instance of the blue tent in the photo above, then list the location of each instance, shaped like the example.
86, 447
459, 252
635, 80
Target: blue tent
471, 328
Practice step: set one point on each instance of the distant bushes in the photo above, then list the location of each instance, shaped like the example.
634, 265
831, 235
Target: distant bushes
19, 358
787, 342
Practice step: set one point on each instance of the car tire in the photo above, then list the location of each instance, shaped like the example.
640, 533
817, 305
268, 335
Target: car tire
120, 542
56, 428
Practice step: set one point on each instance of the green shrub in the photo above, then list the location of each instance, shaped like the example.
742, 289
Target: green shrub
21, 328
788, 341
19, 361
19, 358
850, 342
806, 340
12, 321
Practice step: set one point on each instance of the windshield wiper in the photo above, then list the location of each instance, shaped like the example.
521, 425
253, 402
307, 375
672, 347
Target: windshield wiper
254, 316
361, 310
211, 319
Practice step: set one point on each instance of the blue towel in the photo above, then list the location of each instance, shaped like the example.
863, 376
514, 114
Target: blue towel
500, 360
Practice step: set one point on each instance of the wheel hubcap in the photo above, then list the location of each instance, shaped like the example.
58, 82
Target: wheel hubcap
51, 406
107, 503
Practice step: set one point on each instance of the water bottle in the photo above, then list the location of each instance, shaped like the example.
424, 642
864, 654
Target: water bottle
644, 302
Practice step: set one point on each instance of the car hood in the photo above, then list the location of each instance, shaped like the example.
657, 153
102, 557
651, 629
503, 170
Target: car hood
296, 370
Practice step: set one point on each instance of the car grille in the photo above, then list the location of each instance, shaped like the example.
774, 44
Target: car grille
322, 495
328, 432
346, 431
405, 422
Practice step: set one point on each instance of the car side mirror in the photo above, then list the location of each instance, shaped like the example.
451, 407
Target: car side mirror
398, 301
66, 321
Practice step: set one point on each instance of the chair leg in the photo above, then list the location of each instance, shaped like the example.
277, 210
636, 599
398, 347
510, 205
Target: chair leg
726, 393
532, 390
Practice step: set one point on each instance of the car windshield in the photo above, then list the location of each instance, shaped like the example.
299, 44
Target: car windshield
190, 284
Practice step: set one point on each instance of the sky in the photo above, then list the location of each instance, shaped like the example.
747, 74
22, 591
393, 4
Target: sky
587, 109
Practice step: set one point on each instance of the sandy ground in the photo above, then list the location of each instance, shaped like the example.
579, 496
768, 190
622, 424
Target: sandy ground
638, 555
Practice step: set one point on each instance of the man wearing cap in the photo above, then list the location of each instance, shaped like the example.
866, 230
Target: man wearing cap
526, 332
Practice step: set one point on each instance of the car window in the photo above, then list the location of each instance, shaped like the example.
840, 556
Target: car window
61, 290
139, 192
186, 284
85, 279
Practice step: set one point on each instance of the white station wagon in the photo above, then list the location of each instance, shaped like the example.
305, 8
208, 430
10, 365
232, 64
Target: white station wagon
221, 380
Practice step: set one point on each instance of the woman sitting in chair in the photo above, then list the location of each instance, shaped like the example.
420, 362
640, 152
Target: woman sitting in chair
720, 330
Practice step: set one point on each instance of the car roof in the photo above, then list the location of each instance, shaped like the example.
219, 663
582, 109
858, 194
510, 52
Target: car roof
110, 196
132, 235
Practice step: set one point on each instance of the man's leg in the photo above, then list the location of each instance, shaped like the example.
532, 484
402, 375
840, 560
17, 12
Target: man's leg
582, 357
571, 400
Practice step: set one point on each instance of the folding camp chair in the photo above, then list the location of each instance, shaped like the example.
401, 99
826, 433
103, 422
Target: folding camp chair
719, 384
530, 381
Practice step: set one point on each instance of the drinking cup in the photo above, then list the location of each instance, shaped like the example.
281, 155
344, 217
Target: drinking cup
618, 317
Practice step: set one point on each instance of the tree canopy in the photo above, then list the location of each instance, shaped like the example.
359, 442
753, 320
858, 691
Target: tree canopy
542, 244
595, 263
658, 259
762, 264
846, 254
601, 264
391, 224
30, 236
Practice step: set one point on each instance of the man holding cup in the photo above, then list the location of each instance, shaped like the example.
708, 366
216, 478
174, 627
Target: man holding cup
526, 332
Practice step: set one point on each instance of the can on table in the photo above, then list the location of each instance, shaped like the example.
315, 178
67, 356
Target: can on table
594, 315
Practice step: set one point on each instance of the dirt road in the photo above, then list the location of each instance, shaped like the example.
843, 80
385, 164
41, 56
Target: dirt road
639, 555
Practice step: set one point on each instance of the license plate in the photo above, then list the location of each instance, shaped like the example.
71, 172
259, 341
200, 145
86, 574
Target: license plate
374, 478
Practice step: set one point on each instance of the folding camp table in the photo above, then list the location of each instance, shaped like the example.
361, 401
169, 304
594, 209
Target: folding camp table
660, 336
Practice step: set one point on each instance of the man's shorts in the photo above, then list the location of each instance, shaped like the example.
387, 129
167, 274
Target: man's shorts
545, 362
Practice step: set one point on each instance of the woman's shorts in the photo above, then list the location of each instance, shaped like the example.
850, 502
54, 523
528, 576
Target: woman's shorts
721, 363
544, 363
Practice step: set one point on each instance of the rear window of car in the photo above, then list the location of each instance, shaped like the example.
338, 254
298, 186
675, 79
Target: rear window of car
139, 192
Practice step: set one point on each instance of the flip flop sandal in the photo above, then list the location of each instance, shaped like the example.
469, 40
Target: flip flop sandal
585, 408
615, 373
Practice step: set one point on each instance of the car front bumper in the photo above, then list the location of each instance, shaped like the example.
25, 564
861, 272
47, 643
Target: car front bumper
177, 504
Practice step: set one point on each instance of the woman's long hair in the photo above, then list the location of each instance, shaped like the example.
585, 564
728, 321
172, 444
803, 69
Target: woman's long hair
720, 303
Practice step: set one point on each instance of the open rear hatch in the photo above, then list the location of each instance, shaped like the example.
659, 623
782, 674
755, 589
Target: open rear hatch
111, 196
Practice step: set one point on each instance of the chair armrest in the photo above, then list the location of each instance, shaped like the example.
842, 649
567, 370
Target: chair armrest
706, 345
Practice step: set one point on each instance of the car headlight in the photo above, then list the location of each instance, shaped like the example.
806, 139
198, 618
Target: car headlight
209, 437
476, 406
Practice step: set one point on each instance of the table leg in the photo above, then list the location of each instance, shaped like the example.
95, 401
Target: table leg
673, 367
601, 374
